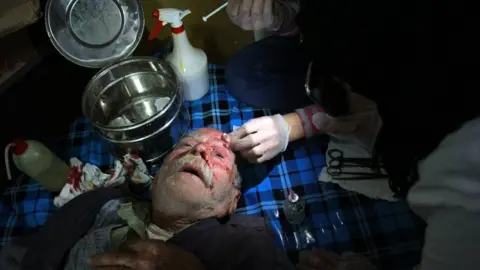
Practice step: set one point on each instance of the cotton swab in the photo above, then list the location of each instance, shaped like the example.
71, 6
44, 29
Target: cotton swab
205, 18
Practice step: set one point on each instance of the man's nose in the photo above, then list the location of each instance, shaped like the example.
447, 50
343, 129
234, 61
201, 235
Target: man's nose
201, 150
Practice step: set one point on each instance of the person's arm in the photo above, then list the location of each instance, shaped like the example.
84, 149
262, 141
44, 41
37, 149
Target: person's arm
285, 24
263, 138
301, 122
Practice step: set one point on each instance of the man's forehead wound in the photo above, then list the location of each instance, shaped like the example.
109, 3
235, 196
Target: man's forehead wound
206, 136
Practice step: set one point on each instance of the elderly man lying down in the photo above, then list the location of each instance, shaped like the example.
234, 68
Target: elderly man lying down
194, 196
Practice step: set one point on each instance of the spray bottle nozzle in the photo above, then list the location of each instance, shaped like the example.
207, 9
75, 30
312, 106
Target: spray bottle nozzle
166, 16
156, 14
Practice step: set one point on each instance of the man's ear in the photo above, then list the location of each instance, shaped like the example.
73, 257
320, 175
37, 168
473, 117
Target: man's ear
235, 200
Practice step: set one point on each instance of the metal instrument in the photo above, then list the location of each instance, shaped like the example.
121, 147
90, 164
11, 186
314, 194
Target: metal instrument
338, 162
136, 105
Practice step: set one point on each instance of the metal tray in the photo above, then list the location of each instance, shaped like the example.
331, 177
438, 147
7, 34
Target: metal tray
94, 33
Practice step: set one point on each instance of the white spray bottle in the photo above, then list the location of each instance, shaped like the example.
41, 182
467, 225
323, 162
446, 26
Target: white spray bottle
190, 63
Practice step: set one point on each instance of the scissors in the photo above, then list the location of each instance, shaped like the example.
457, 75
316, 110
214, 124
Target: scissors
338, 162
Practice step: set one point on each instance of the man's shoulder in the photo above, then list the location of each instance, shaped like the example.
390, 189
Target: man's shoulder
235, 243
246, 227
253, 222
235, 228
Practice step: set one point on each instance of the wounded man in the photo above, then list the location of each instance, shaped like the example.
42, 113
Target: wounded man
189, 224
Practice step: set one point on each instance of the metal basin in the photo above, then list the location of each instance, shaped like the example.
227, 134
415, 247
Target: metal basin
94, 33
133, 104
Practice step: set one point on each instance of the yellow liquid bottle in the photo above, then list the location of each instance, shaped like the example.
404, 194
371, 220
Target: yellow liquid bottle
37, 161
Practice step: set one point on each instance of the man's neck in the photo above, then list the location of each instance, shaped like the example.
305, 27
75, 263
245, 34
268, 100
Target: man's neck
171, 224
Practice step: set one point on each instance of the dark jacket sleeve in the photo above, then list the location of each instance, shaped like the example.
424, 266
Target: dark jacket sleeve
66, 226
251, 249
244, 244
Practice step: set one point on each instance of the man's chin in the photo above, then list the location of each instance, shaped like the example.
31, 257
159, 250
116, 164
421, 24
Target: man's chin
186, 177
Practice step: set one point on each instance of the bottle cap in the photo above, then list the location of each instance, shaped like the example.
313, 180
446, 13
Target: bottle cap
293, 197
20, 146
172, 16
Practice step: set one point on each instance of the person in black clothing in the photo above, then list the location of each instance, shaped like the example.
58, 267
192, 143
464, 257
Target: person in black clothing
416, 60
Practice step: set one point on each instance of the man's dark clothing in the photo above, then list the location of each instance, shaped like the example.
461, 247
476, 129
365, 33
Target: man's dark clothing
241, 242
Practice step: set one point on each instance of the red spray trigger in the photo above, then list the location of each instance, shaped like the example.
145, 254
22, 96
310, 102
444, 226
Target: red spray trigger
158, 25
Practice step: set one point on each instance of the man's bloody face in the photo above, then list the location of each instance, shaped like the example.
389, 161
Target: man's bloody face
201, 165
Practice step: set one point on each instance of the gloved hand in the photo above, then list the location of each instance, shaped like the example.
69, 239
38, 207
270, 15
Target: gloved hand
254, 14
262, 138
324, 260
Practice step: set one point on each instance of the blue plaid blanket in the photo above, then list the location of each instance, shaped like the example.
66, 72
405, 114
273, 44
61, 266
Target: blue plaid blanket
338, 220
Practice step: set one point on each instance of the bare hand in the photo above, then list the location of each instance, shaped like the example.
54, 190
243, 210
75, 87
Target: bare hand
147, 255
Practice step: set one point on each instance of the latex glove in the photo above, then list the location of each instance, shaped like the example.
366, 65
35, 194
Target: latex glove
261, 139
253, 14
147, 255
324, 260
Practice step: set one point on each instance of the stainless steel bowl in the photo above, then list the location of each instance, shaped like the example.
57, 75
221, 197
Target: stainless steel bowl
94, 33
133, 104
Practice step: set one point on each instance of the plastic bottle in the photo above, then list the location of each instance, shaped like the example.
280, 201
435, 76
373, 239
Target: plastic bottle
294, 208
303, 230
190, 63
38, 162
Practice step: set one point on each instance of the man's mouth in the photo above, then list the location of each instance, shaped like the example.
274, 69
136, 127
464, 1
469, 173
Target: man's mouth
193, 171
197, 172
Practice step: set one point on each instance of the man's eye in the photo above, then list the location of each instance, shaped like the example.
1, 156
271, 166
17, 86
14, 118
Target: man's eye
186, 144
219, 155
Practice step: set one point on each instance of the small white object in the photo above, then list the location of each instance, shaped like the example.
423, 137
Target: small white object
160, 103
190, 63
139, 175
205, 18
172, 16
120, 121
91, 177
293, 197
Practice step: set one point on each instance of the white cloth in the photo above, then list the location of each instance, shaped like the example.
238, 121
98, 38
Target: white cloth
157, 233
355, 135
447, 197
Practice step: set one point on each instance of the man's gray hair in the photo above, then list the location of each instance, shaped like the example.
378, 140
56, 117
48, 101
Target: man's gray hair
237, 182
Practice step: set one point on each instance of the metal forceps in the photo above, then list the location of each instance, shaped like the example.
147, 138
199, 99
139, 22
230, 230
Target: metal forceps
338, 162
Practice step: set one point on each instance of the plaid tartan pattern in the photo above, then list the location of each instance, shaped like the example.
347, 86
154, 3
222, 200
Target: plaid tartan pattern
338, 220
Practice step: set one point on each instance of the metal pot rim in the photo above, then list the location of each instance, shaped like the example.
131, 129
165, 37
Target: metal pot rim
166, 126
103, 71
